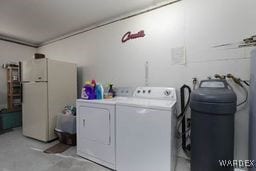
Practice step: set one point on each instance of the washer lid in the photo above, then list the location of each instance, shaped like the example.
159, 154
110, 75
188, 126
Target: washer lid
147, 103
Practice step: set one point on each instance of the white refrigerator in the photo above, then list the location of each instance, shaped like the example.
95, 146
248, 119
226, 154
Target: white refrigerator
48, 86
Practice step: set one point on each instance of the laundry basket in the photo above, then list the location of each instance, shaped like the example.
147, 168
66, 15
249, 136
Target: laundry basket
66, 129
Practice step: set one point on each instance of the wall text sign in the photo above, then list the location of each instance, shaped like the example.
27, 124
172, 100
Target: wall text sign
128, 36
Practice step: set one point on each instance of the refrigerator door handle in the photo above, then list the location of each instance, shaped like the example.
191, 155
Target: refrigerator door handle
21, 83
21, 94
83, 122
41, 81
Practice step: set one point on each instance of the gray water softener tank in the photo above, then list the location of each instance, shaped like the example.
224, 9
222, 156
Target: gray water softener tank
252, 119
213, 106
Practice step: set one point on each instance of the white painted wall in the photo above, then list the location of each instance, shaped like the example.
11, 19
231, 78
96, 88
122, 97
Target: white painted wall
195, 24
10, 52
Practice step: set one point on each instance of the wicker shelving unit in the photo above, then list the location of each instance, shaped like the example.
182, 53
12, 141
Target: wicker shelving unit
14, 88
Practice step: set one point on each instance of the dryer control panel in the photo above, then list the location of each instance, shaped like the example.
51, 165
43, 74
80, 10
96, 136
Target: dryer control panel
166, 93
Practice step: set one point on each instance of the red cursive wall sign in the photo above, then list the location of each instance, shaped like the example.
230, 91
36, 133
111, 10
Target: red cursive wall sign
128, 36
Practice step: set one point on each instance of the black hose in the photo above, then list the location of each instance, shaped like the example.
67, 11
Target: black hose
184, 107
246, 97
246, 83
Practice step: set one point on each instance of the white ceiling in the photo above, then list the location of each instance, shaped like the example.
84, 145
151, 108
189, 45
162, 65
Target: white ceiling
38, 21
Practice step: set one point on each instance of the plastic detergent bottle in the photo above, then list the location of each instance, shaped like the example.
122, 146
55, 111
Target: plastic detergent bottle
111, 92
99, 91
89, 91
102, 91
84, 91
93, 84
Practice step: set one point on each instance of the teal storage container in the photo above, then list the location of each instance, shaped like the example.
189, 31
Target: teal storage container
10, 120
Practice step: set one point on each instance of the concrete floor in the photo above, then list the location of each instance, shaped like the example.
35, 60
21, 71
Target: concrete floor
18, 153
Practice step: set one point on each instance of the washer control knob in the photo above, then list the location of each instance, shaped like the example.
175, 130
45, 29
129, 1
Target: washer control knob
167, 92
138, 91
149, 91
144, 91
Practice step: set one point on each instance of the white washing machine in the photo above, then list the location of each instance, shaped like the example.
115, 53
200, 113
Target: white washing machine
96, 128
145, 130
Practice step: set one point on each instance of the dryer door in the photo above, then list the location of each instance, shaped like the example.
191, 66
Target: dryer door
95, 138
95, 125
